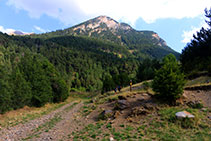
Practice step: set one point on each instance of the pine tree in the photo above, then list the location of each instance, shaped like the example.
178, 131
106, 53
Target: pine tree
60, 90
21, 90
169, 81
5, 91
196, 56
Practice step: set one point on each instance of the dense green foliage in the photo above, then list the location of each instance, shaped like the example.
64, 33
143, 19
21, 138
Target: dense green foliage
83, 62
147, 69
169, 81
27, 78
115, 81
196, 56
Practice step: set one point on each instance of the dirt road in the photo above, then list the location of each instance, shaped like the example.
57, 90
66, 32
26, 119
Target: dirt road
54, 126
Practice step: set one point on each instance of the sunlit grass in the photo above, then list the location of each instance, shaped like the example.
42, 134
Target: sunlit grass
200, 81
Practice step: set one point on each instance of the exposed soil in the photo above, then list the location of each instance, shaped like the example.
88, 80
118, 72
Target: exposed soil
144, 104
203, 96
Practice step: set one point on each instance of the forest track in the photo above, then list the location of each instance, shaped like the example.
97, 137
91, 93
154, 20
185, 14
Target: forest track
45, 127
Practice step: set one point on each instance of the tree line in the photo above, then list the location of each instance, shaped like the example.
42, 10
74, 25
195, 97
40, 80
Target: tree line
27, 78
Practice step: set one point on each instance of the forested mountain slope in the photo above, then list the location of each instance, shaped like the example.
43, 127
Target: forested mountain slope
142, 44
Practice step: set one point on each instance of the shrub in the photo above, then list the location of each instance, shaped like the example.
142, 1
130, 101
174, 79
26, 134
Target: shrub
60, 90
169, 81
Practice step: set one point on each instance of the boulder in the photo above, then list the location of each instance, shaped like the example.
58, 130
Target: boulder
195, 104
111, 139
121, 104
116, 114
148, 106
139, 111
106, 114
184, 114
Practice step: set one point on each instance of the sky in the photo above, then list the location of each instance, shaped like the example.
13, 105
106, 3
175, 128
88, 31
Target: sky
174, 20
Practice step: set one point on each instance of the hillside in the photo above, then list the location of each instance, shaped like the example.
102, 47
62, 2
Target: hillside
83, 63
139, 117
142, 44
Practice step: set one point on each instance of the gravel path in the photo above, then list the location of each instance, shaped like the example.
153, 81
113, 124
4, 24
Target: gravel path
31, 129
71, 121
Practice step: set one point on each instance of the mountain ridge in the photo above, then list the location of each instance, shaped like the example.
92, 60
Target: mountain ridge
142, 44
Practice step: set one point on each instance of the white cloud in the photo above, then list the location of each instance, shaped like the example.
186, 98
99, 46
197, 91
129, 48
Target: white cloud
73, 11
2, 29
39, 29
67, 11
188, 35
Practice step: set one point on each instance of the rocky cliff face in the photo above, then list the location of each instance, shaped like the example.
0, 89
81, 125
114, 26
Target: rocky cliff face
161, 41
101, 23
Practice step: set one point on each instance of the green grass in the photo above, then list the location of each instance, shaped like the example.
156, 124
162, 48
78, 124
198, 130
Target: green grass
200, 81
87, 109
91, 131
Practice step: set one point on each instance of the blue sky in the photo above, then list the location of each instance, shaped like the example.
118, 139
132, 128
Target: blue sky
174, 20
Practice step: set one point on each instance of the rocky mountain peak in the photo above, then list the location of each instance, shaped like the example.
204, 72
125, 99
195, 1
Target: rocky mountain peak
16, 32
100, 24
108, 21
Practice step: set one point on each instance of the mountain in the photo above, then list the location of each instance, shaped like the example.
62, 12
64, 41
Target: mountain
16, 32
142, 44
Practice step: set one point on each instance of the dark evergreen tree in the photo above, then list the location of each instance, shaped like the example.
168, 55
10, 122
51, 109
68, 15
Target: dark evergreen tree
169, 81
60, 90
21, 90
147, 69
5, 92
34, 69
5, 86
196, 56
108, 84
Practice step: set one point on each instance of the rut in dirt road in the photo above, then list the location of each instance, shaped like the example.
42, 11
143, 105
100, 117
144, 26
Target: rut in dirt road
70, 122
32, 128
